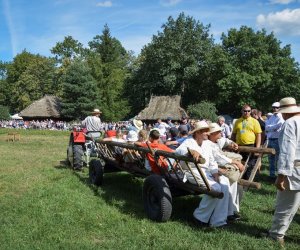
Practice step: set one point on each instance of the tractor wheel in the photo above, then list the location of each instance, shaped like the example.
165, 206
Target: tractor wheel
77, 156
157, 198
96, 172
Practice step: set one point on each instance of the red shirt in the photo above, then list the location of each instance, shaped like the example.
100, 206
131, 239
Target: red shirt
162, 161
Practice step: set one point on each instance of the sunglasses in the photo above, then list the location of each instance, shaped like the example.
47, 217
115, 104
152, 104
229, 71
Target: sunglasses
275, 107
246, 111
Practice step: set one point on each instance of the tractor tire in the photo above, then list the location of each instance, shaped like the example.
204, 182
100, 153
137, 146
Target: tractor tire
96, 172
157, 198
77, 156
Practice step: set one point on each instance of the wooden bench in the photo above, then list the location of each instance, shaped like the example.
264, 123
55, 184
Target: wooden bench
13, 136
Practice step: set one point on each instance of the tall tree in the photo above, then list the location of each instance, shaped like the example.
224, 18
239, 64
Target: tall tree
258, 71
109, 61
4, 86
30, 77
79, 91
67, 50
174, 62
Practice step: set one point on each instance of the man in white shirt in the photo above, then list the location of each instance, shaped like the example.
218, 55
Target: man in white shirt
230, 164
211, 211
226, 132
92, 124
273, 128
288, 180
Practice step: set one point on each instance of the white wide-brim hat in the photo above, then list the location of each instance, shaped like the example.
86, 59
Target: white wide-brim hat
132, 136
288, 105
200, 126
138, 124
214, 127
96, 111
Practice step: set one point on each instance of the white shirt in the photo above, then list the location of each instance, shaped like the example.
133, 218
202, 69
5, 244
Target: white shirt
92, 123
274, 125
218, 154
205, 150
289, 156
163, 128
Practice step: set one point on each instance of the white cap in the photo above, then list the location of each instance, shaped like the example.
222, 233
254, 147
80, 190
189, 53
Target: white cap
276, 105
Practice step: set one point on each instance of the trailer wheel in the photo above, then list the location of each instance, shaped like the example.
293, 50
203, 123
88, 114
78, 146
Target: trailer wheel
157, 198
96, 172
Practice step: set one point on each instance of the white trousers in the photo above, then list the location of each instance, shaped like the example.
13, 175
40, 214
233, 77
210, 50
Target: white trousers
213, 210
233, 204
287, 204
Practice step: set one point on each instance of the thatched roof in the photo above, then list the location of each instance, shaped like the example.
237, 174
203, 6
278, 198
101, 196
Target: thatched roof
163, 107
47, 107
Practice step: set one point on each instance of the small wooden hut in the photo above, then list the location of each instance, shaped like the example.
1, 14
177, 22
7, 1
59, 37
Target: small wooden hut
162, 107
48, 107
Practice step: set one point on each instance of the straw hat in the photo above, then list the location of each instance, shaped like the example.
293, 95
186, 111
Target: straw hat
138, 124
214, 127
199, 126
288, 105
96, 111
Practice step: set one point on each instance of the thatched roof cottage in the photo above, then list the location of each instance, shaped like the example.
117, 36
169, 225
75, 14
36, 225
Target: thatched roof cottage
48, 107
162, 107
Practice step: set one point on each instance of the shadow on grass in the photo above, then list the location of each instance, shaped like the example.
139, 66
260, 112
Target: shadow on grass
121, 190
124, 192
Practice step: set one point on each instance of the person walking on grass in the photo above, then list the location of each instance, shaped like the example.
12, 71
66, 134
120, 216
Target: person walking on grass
288, 179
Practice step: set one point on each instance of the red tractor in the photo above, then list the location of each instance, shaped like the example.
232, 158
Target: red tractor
81, 149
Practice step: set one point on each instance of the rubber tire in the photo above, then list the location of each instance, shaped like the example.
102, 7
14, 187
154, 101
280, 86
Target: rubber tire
96, 172
77, 156
157, 198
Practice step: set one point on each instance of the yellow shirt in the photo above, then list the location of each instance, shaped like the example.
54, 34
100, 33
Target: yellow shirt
246, 130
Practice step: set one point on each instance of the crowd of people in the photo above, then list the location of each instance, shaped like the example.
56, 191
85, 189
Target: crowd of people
35, 124
206, 139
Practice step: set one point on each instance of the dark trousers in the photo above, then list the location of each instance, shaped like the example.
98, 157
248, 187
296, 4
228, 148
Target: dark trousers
250, 164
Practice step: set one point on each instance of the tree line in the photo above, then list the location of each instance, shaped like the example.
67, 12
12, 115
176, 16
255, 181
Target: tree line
247, 66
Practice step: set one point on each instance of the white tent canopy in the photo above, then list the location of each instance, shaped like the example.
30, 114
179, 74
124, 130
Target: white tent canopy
16, 117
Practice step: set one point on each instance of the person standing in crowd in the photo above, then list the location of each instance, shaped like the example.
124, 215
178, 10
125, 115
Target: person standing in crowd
170, 123
92, 124
211, 211
184, 121
226, 133
256, 114
288, 179
273, 128
247, 132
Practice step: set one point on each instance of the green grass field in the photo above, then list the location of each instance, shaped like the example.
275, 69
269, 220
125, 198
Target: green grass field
44, 205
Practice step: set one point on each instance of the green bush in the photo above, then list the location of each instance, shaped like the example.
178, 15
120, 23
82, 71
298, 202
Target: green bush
4, 113
203, 110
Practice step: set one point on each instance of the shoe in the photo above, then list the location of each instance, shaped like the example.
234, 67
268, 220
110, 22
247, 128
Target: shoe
235, 217
268, 236
200, 223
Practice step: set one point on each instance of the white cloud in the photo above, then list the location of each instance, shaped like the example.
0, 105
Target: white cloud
282, 1
105, 4
168, 3
284, 22
11, 27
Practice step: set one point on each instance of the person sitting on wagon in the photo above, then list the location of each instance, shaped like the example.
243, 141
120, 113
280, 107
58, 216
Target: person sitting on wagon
211, 211
229, 165
93, 124
154, 139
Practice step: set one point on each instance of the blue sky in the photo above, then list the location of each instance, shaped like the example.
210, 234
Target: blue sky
37, 25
